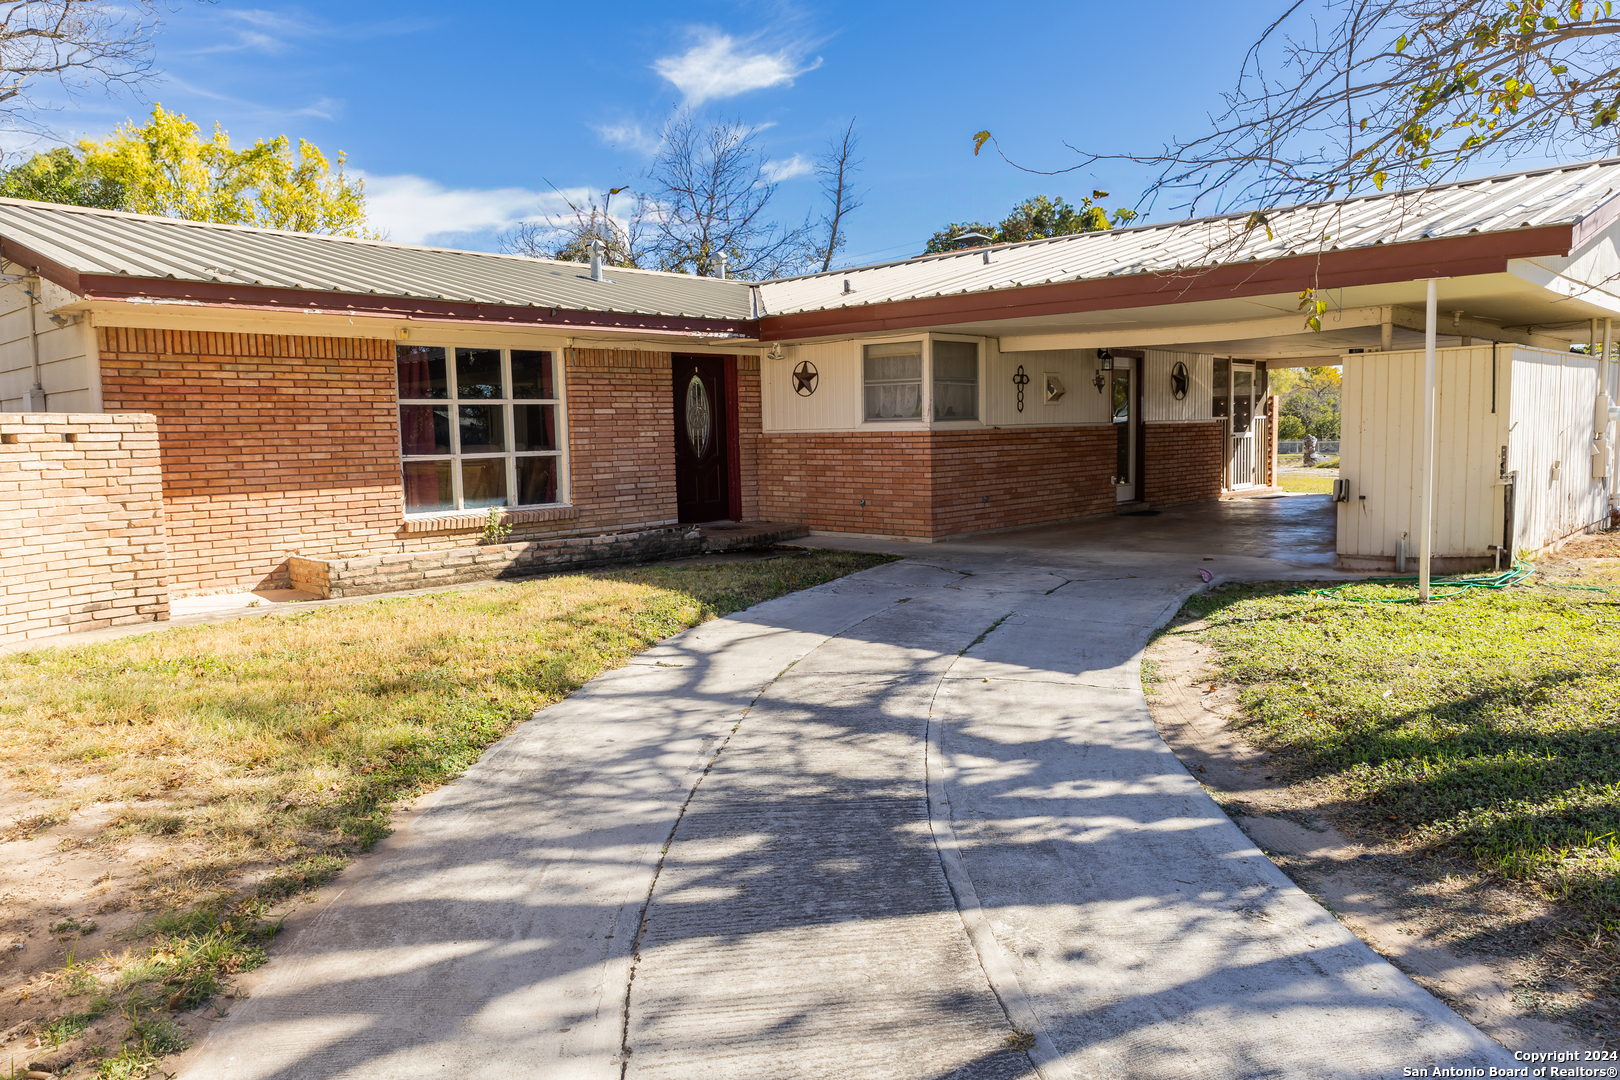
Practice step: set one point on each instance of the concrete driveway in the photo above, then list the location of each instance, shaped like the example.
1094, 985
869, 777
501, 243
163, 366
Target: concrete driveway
867, 830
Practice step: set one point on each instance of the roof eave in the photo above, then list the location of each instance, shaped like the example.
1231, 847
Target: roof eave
216, 295
1458, 256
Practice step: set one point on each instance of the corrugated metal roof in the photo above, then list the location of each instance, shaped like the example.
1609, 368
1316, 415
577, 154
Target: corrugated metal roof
1551, 196
137, 246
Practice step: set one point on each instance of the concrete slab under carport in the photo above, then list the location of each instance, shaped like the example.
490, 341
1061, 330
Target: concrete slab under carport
1278, 535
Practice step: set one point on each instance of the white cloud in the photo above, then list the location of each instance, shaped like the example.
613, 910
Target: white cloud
721, 66
414, 209
797, 165
631, 136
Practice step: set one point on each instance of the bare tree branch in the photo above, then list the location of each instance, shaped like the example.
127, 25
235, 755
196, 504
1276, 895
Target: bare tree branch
76, 44
836, 170
709, 194
1375, 94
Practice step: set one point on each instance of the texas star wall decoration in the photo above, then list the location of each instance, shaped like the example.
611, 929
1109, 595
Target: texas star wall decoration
805, 378
1179, 381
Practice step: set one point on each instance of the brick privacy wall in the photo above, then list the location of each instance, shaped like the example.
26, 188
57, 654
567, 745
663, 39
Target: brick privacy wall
748, 432
1184, 462
81, 511
621, 438
930, 484
271, 446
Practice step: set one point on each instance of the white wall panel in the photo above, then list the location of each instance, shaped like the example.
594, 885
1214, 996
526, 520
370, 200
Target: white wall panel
1552, 403
1075, 368
69, 363
1380, 452
836, 404
1159, 404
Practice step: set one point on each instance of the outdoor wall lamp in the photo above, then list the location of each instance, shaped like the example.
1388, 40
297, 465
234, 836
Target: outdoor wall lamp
1105, 362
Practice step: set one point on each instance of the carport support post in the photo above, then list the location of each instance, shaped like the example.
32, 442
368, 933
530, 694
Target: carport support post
1426, 513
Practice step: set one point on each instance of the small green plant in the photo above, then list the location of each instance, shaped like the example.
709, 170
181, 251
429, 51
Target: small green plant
496, 529
1019, 1039
72, 925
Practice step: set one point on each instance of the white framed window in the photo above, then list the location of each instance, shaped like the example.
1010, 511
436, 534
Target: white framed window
955, 369
893, 380
479, 427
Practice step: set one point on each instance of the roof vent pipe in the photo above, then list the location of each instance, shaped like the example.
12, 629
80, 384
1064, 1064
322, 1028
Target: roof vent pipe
722, 258
596, 259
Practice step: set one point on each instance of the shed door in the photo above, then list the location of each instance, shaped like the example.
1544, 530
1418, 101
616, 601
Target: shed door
702, 468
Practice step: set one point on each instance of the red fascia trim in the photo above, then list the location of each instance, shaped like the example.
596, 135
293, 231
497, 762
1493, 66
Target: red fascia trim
49, 269
259, 298
1460, 256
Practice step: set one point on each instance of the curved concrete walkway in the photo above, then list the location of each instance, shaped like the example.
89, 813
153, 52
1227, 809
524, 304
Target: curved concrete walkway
861, 831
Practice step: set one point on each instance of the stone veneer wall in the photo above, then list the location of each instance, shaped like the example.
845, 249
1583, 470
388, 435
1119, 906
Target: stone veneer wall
1184, 462
81, 513
271, 446
928, 484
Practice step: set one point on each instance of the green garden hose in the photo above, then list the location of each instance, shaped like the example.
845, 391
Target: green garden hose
1451, 587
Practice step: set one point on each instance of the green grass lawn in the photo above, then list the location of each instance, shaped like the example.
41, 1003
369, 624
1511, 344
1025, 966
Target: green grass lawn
1487, 726
279, 745
1304, 482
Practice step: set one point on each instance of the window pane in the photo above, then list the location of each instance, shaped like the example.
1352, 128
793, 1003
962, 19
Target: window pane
536, 480
956, 380
478, 373
483, 483
421, 371
427, 487
531, 374
1220, 400
894, 381
894, 401
482, 431
1242, 387
534, 427
424, 429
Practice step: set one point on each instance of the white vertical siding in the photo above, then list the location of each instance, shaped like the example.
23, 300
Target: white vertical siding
69, 363
836, 404
1552, 394
1159, 405
1075, 368
1381, 444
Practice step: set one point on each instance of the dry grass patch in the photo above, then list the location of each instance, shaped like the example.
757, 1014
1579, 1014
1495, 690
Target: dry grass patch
250, 760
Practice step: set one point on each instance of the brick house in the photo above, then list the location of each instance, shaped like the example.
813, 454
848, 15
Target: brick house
350, 399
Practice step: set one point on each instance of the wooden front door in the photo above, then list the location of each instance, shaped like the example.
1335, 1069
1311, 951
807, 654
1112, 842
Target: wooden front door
702, 441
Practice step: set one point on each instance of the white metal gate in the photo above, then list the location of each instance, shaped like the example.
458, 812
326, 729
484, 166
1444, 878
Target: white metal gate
1244, 436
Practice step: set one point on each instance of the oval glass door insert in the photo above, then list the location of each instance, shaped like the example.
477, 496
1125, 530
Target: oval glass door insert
699, 421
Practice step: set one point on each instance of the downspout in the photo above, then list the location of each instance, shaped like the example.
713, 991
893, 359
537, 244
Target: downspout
1603, 389
34, 399
1426, 514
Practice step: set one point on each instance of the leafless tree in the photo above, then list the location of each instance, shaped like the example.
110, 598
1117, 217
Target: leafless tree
709, 193
836, 169
569, 239
1345, 96
76, 44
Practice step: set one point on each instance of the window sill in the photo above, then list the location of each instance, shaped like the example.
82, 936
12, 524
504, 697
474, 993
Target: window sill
473, 520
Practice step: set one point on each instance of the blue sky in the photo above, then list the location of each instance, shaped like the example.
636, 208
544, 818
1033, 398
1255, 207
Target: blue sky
461, 117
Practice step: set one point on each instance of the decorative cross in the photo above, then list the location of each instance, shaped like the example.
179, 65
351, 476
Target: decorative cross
1020, 380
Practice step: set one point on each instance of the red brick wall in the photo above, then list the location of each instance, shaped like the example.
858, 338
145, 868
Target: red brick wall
930, 484
821, 480
1184, 462
621, 437
748, 430
81, 511
270, 445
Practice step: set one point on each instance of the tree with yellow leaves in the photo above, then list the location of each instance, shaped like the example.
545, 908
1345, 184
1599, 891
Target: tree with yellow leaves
165, 167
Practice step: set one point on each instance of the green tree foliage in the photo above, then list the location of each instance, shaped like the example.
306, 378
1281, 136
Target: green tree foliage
60, 176
1035, 219
1310, 402
165, 167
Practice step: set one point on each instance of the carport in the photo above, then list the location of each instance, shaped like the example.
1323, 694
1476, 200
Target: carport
1471, 431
